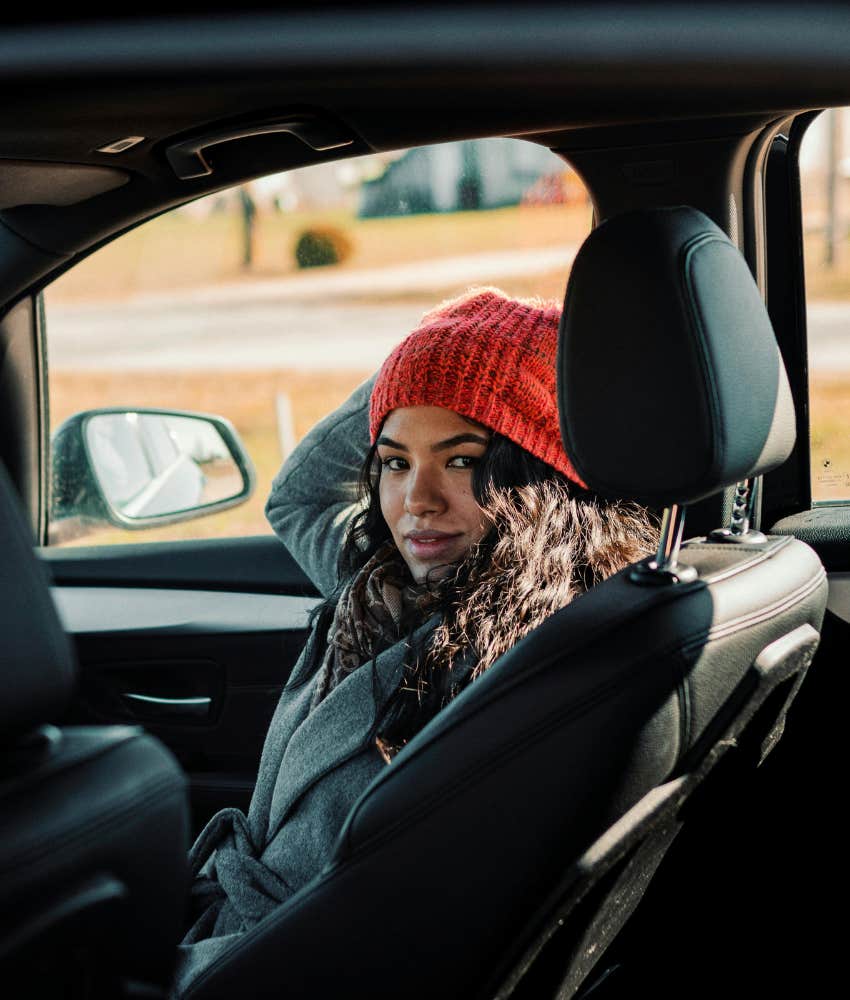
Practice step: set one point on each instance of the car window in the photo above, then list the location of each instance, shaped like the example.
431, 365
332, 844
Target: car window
825, 188
269, 303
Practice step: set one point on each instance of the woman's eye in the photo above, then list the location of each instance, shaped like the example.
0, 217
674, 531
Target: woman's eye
394, 463
462, 461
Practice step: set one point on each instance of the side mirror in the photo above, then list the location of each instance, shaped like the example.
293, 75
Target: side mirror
143, 468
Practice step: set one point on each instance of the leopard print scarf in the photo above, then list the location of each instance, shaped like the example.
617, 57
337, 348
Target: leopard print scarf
548, 547
374, 611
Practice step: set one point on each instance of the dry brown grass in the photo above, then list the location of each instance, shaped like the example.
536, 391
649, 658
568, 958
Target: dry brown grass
177, 250
246, 398
546, 284
830, 436
823, 282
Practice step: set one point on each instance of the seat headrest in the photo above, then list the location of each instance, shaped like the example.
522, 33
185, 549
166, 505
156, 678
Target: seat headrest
670, 381
36, 663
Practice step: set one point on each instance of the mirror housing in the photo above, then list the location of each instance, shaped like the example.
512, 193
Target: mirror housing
142, 468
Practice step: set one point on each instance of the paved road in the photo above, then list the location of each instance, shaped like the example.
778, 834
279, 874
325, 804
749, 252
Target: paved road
314, 320
311, 321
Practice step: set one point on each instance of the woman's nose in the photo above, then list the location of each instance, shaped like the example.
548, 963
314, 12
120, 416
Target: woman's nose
423, 495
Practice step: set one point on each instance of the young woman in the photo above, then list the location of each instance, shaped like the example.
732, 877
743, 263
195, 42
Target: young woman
436, 549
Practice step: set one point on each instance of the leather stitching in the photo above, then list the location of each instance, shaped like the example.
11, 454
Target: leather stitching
652, 598
524, 739
269, 924
753, 618
676, 648
52, 767
687, 256
85, 828
757, 555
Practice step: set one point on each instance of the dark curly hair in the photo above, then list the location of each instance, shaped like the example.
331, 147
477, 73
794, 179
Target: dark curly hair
549, 541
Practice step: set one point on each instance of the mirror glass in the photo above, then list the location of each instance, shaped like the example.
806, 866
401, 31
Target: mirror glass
153, 464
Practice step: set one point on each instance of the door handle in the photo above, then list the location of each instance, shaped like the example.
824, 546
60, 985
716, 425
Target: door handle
170, 708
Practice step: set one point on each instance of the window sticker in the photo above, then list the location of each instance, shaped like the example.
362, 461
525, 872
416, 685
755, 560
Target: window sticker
825, 188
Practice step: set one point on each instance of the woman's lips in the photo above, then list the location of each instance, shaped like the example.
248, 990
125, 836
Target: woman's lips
430, 544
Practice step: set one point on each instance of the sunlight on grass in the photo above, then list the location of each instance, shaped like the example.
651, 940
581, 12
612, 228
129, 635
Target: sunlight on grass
178, 250
830, 436
181, 250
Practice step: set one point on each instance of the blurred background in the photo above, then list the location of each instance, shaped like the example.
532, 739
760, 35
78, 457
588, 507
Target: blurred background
269, 303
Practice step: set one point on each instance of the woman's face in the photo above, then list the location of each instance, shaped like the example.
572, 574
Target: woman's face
427, 455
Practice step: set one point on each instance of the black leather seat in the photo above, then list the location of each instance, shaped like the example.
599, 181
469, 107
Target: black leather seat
93, 820
509, 841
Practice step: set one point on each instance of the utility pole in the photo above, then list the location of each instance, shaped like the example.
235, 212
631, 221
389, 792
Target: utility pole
249, 211
831, 229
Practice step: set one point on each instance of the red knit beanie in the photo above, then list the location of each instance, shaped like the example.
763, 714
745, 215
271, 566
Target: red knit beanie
487, 357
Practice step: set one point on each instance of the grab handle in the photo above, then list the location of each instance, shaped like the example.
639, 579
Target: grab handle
187, 157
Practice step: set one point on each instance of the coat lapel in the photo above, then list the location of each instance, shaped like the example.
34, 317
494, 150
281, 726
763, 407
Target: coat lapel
337, 728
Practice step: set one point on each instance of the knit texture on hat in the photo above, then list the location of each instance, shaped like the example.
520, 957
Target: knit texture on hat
487, 357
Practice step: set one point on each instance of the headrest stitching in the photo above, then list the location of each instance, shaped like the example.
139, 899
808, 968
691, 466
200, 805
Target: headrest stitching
687, 255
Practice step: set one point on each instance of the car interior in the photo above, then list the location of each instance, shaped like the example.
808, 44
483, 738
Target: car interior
638, 798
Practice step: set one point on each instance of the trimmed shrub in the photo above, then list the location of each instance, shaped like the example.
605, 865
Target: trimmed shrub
321, 246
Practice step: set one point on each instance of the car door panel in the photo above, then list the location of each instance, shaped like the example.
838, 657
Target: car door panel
161, 644
258, 564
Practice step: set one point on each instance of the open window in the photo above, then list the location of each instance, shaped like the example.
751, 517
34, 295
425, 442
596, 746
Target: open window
267, 303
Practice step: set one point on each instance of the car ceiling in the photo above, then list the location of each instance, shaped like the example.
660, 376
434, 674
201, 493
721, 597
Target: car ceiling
572, 76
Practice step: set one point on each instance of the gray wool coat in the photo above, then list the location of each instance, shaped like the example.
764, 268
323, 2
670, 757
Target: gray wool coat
314, 765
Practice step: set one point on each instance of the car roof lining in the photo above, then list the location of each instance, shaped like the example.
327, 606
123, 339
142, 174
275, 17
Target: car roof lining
573, 77
33, 182
116, 200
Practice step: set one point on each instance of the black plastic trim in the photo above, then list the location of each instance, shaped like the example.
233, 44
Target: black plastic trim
826, 529
788, 488
255, 564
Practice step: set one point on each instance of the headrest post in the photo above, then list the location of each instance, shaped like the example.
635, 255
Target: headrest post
670, 538
665, 568
743, 508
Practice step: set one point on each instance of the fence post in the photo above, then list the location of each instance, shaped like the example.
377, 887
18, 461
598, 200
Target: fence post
285, 423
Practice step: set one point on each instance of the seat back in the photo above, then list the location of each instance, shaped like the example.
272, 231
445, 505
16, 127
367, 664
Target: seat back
562, 769
510, 840
93, 820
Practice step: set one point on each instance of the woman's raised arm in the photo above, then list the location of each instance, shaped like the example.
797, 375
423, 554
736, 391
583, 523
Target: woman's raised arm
314, 496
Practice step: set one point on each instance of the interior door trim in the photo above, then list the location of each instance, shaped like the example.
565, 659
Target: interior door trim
147, 610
